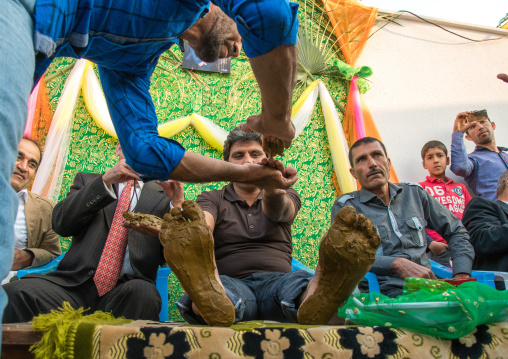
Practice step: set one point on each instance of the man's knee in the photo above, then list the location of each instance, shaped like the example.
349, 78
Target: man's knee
21, 302
134, 299
17, 290
140, 291
291, 285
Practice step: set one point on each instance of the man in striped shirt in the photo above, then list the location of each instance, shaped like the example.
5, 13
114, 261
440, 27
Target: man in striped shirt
125, 40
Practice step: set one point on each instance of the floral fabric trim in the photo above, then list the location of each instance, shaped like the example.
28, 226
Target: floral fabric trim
268, 340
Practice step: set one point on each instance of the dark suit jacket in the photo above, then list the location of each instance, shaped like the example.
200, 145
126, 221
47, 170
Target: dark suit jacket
86, 214
487, 224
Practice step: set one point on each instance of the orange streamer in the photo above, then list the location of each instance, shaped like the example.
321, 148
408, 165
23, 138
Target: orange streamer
42, 115
371, 131
348, 123
352, 23
336, 184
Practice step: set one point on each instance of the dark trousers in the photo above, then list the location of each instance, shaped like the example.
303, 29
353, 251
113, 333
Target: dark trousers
29, 297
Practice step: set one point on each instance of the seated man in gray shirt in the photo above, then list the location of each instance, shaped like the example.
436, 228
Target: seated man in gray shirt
401, 212
251, 249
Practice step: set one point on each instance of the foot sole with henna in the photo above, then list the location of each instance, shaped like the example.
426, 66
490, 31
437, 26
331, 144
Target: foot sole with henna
346, 253
189, 252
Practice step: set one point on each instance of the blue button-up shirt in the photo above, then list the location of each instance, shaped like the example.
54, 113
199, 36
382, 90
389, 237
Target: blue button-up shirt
125, 40
481, 169
401, 226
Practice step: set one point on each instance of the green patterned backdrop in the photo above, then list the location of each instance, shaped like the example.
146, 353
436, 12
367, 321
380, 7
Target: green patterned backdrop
226, 99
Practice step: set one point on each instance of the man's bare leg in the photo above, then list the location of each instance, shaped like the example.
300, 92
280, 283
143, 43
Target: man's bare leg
189, 252
346, 253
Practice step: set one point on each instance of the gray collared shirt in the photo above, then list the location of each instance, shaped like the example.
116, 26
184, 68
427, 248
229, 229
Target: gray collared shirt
401, 226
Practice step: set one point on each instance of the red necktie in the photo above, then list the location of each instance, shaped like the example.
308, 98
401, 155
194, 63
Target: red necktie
111, 261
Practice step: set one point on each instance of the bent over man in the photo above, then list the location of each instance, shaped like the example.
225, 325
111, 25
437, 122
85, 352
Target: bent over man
125, 40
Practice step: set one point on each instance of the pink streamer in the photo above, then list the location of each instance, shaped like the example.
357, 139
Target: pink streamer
32, 104
357, 105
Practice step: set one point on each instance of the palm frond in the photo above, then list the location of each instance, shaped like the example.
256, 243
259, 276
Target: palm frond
176, 62
237, 92
387, 19
59, 73
317, 43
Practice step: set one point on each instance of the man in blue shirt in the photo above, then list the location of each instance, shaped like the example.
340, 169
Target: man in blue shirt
125, 40
482, 167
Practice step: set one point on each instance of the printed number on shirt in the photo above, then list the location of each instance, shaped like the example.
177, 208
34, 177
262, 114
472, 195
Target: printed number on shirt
438, 191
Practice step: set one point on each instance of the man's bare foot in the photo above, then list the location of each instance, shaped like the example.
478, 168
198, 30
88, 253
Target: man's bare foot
271, 129
346, 253
189, 252
273, 146
142, 218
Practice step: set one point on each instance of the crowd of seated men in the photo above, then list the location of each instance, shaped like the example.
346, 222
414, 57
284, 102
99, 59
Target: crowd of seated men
232, 250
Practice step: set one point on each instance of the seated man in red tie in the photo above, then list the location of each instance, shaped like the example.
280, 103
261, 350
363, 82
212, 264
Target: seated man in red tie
107, 266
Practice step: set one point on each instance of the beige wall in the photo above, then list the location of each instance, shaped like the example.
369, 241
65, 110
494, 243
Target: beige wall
423, 76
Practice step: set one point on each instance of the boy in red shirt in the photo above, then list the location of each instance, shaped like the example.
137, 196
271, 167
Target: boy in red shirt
452, 195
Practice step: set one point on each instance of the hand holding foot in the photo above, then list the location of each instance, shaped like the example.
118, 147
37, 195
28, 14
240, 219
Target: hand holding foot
346, 253
174, 191
265, 176
189, 252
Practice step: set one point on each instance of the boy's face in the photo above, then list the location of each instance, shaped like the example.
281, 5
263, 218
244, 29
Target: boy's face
435, 162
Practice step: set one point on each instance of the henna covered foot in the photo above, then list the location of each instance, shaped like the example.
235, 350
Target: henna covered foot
189, 252
346, 253
142, 218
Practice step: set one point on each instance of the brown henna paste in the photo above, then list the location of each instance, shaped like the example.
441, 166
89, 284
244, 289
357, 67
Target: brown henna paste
142, 218
346, 253
189, 252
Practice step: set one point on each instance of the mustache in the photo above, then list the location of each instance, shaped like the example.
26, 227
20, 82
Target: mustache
374, 171
19, 173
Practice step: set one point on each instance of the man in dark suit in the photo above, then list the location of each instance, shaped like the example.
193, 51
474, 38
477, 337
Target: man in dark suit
89, 214
487, 224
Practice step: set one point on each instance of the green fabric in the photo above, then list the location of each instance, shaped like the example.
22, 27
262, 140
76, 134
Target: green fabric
430, 307
227, 100
59, 328
82, 344
348, 72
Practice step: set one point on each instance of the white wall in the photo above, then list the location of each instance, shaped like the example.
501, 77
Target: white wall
423, 76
